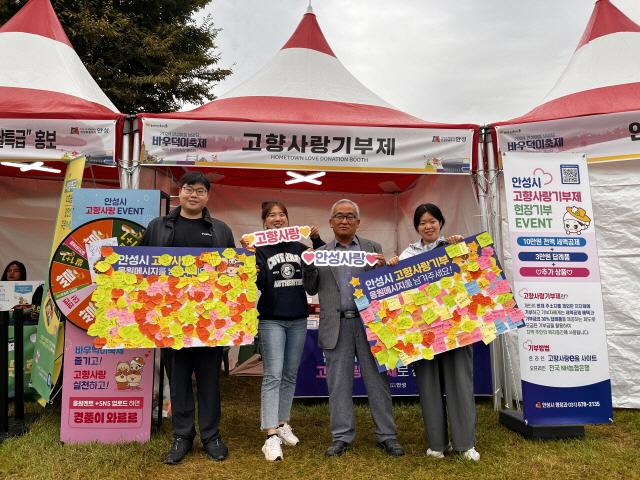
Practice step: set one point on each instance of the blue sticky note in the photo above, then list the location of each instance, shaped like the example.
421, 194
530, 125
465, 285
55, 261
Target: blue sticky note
500, 327
362, 303
472, 287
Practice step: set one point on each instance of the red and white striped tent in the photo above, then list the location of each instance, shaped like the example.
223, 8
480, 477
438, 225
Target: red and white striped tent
49, 103
303, 85
594, 108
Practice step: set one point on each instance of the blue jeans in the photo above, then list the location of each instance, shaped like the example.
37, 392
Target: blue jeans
281, 345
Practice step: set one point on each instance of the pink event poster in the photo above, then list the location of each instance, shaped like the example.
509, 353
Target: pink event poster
106, 394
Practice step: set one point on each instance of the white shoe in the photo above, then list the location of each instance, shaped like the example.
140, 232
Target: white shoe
434, 453
471, 454
272, 449
438, 454
286, 435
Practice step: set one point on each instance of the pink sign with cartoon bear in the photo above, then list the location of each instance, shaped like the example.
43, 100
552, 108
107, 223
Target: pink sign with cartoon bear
107, 394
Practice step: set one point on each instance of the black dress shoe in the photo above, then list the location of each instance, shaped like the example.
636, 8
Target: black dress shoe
392, 447
179, 449
337, 448
216, 449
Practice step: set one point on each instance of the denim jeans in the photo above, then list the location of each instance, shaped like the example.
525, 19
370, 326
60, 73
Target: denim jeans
281, 345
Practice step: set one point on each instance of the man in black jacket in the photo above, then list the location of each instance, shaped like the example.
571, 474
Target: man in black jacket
190, 225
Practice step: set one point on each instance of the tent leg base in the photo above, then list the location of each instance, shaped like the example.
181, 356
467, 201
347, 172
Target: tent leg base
514, 420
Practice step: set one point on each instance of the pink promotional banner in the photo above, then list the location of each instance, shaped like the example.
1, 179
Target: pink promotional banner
108, 393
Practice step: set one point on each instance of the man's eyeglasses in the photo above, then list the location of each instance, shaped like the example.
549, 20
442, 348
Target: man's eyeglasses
350, 217
201, 192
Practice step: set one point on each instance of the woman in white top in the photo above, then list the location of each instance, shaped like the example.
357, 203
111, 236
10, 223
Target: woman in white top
450, 373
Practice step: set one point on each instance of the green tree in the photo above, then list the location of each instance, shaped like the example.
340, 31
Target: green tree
146, 55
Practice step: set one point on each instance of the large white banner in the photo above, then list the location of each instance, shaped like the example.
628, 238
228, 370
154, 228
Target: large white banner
603, 138
306, 147
563, 350
94, 139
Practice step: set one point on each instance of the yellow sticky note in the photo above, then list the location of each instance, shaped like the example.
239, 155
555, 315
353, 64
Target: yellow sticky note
443, 312
427, 353
473, 266
408, 297
462, 300
457, 249
393, 303
468, 326
484, 239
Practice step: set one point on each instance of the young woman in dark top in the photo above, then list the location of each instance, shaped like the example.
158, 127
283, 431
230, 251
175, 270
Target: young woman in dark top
282, 327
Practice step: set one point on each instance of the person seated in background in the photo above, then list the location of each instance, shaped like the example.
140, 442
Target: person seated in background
15, 271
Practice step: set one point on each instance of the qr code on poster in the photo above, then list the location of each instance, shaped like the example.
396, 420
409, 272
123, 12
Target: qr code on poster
570, 174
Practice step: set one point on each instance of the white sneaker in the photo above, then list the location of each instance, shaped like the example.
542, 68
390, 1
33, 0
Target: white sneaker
272, 449
471, 454
438, 454
434, 453
286, 435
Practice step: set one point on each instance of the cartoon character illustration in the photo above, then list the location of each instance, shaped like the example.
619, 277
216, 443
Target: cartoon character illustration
232, 267
433, 163
122, 373
576, 220
135, 372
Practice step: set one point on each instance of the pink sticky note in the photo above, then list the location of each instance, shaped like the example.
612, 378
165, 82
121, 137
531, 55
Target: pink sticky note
487, 251
490, 275
439, 345
502, 286
484, 262
516, 315
476, 335
367, 315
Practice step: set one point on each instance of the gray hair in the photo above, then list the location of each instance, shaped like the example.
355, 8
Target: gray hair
350, 202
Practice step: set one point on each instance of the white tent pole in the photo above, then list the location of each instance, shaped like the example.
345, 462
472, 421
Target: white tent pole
135, 165
123, 166
489, 214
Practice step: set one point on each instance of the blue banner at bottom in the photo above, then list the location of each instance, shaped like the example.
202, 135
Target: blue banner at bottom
544, 405
312, 374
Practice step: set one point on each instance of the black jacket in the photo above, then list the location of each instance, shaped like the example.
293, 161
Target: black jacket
159, 233
280, 281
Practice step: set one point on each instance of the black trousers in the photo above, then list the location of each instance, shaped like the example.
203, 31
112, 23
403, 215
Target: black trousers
205, 363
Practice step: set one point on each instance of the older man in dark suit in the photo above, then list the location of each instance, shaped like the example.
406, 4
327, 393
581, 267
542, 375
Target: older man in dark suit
342, 337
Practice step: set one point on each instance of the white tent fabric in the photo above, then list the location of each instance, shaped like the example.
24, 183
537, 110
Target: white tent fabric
591, 109
60, 86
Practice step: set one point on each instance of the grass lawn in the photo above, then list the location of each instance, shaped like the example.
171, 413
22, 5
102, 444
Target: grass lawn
607, 451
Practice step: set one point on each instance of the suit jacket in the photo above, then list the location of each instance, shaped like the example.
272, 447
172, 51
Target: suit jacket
324, 282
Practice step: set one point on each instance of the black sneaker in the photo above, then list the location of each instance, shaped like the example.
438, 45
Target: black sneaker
216, 449
179, 449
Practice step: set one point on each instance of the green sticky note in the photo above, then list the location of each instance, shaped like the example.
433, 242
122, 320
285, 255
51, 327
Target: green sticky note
457, 249
484, 239
429, 316
386, 337
404, 321
434, 289
504, 297
449, 301
447, 282
419, 298
392, 359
